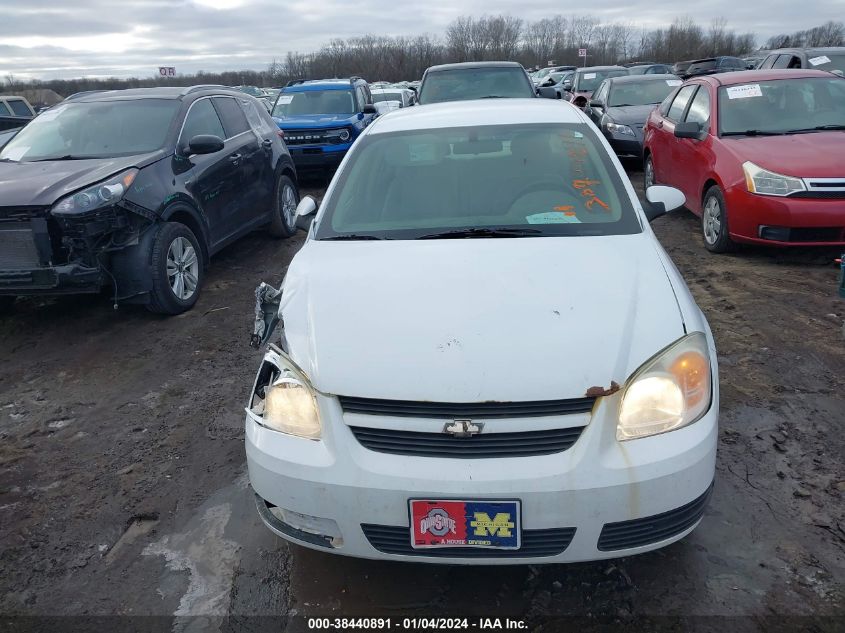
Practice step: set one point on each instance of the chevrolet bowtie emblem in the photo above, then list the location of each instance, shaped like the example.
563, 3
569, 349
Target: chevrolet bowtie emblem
463, 428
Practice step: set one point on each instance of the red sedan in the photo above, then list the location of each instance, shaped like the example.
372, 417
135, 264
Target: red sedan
759, 155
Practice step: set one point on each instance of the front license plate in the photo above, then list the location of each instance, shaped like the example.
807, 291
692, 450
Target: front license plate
451, 523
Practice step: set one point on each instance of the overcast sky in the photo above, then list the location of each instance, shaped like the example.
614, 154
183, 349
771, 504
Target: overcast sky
64, 38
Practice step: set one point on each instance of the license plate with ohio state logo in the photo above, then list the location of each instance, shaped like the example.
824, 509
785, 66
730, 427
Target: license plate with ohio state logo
451, 523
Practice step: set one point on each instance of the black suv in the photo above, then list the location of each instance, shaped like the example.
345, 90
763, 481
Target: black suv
136, 189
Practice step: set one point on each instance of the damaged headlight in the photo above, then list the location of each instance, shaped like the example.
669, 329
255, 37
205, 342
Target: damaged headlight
284, 400
670, 391
102, 194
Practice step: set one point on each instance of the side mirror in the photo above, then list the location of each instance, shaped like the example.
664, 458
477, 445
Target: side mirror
306, 208
369, 108
596, 104
205, 144
659, 200
688, 129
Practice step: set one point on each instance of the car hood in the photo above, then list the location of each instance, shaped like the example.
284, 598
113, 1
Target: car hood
312, 121
44, 183
630, 115
472, 320
814, 155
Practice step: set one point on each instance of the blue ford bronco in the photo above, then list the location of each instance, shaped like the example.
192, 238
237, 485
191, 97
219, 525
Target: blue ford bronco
322, 118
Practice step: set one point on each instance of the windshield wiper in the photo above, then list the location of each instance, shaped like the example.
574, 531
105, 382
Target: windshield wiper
753, 133
66, 157
482, 232
493, 97
818, 128
350, 237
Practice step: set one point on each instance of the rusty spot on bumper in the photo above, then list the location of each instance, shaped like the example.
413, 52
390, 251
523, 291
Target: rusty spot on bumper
597, 392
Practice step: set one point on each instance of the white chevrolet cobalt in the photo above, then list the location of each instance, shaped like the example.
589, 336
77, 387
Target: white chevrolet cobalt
485, 356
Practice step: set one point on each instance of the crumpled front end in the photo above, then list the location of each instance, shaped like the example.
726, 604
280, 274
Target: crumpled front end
43, 253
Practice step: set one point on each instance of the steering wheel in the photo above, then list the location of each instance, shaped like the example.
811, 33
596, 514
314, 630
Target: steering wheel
541, 184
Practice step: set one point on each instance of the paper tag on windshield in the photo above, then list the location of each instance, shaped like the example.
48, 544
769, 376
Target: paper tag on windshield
589, 75
285, 99
552, 218
818, 61
744, 92
673, 82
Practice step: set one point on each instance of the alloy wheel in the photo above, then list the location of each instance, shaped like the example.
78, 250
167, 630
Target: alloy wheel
182, 268
712, 220
289, 204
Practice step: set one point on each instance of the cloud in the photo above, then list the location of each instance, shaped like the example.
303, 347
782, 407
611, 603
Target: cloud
52, 38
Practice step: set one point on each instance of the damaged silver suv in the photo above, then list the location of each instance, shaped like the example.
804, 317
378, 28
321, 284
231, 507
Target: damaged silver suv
134, 190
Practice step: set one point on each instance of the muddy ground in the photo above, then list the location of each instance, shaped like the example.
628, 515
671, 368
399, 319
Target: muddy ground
123, 488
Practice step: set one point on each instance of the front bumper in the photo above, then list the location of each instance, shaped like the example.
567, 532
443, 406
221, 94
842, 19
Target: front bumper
309, 156
599, 499
791, 221
625, 145
67, 279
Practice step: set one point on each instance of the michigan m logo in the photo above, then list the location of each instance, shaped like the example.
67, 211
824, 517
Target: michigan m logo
500, 525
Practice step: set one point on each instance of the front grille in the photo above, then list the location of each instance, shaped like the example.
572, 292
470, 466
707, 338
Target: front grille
648, 530
315, 137
535, 543
17, 247
470, 410
17, 214
419, 444
820, 194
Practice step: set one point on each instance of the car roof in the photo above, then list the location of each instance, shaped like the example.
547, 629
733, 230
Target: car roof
161, 92
477, 112
462, 65
809, 49
320, 84
746, 76
593, 68
632, 79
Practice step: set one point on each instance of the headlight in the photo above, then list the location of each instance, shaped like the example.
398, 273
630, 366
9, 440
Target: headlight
103, 194
615, 128
768, 183
668, 392
341, 135
289, 403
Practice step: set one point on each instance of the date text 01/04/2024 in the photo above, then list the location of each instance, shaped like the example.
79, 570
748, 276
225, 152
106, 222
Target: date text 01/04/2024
413, 624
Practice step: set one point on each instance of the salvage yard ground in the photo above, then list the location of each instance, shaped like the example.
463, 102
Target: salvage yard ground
123, 487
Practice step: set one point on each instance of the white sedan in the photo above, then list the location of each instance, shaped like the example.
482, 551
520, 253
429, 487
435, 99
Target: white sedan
486, 355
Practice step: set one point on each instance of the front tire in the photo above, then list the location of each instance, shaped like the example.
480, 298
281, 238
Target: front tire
177, 268
6, 303
714, 222
285, 200
648, 173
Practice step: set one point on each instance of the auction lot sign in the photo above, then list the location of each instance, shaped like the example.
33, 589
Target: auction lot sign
167, 71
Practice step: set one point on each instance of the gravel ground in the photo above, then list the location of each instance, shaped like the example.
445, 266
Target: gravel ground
123, 487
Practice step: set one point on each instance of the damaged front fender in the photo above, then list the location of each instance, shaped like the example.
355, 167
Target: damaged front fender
267, 300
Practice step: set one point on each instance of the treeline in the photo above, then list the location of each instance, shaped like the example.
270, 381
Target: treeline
828, 34
555, 39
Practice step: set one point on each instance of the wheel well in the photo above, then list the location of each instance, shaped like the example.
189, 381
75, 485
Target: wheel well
710, 182
185, 217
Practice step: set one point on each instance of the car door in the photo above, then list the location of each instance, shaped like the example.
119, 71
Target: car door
249, 157
694, 156
663, 142
212, 179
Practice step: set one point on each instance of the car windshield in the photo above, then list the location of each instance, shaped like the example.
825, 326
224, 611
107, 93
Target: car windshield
782, 106
504, 180
542, 73
831, 62
314, 102
588, 81
99, 129
637, 93
387, 96
700, 67
460, 84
